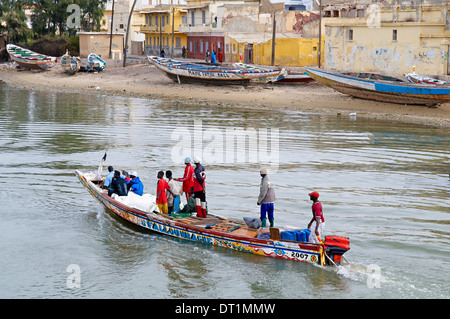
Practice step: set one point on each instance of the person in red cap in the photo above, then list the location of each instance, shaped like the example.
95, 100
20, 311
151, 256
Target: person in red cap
317, 218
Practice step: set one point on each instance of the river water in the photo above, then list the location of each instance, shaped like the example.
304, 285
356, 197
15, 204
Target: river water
385, 185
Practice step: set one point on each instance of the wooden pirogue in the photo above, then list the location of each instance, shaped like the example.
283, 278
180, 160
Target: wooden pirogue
186, 72
379, 87
217, 230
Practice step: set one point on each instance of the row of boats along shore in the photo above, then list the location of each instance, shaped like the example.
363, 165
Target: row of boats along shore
28, 59
410, 88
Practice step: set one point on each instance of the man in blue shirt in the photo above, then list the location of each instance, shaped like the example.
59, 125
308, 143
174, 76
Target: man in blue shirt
109, 177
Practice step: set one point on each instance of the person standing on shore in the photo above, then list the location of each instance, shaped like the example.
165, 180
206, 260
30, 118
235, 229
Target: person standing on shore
199, 188
188, 178
213, 56
317, 219
207, 56
266, 198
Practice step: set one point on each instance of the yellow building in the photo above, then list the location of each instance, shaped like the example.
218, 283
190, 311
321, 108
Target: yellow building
162, 30
290, 50
391, 39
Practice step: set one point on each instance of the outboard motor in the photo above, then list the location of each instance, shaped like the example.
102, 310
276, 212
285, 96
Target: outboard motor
335, 247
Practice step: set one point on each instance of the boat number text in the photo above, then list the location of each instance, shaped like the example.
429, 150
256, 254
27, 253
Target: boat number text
298, 255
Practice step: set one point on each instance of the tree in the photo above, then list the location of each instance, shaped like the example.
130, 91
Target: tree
50, 16
12, 21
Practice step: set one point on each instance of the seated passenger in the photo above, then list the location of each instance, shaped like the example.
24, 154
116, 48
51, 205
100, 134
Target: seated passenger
135, 185
108, 177
118, 185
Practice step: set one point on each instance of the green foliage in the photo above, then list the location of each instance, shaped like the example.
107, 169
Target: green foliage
50, 45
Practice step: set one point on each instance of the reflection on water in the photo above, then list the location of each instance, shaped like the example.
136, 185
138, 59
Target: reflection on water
383, 184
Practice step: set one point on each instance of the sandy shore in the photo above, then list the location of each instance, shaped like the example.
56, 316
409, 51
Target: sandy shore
145, 81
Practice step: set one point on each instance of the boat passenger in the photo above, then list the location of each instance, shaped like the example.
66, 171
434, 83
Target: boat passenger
135, 185
266, 198
173, 194
126, 176
190, 207
109, 177
161, 198
317, 219
188, 178
199, 188
118, 185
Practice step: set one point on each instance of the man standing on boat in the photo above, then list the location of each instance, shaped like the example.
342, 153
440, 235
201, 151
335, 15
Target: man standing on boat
266, 198
188, 178
317, 218
199, 188
161, 197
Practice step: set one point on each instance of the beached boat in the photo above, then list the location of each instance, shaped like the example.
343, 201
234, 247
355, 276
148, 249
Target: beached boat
217, 230
29, 59
184, 72
290, 76
378, 87
417, 78
96, 62
70, 64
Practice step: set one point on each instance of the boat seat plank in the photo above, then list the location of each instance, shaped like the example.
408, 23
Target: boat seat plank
245, 232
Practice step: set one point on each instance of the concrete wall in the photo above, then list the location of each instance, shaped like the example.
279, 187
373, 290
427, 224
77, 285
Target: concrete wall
98, 43
404, 37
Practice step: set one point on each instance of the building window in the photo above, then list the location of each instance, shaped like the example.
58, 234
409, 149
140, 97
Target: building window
190, 46
163, 21
178, 42
203, 17
192, 19
167, 19
150, 20
121, 26
394, 35
350, 35
156, 20
184, 20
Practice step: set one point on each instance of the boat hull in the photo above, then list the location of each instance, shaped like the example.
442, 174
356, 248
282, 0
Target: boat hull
28, 59
210, 74
382, 90
295, 77
154, 222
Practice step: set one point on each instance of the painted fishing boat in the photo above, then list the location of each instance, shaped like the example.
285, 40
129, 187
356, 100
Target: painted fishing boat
185, 72
290, 76
96, 62
29, 59
70, 64
378, 87
217, 230
423, 79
